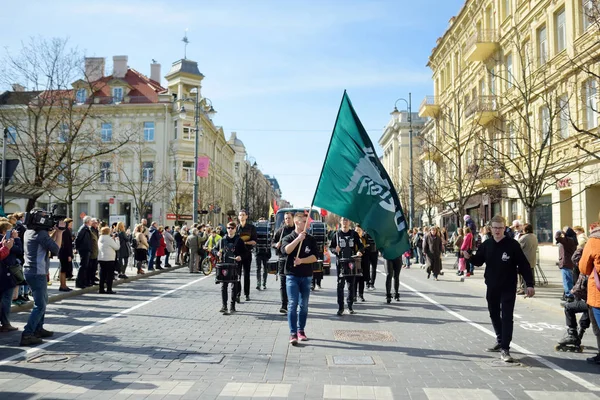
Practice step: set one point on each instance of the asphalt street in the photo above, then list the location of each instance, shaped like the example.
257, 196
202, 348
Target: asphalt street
163, 337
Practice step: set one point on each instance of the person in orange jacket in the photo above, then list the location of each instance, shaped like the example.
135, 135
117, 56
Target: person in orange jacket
589, 264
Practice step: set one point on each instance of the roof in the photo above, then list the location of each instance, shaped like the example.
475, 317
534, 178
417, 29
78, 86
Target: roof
14, 98
185, 66
234, 141
143, 89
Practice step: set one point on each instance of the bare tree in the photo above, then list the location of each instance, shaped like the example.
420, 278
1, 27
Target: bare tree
180, 188
52, 131
520, 149
428, 187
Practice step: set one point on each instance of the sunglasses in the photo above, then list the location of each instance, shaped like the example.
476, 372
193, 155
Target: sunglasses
231, 227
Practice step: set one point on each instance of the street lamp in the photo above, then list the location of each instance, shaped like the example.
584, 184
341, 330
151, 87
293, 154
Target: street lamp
182, 115
250, 162
411, 186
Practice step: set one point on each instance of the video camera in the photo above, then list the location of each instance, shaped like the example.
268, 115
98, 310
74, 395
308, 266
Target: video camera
40, 219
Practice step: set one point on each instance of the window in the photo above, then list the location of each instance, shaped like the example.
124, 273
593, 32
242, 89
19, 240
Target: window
492, 81
563, 104
63, 133
11, 137
105, 168
505, 8
175, 129
542, 219
147, 171
496, 146
188, 171
106, 132
586, 13
237, 168
188, 133
561, 30
542, 40
482, 87
509, 71
81, 96
149, 131
526, 58
117, 94
512, 142
545, 124
591, 117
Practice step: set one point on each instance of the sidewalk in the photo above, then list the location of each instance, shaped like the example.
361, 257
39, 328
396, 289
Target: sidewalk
55, 295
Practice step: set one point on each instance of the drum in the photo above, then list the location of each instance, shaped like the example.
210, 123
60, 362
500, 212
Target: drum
263, 236
226, 272
318, 230
318, 266
350, 267
272, 266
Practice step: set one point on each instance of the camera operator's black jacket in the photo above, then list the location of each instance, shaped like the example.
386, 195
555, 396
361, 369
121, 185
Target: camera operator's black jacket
83, 242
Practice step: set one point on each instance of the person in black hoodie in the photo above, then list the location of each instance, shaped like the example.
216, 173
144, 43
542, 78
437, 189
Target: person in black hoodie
345, 244
247, 233
231, 248
504, 259
286, 228
567, 244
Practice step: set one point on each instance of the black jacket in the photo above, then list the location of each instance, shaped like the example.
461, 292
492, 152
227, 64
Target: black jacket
66, 248
503, 260
279, 235
83, 242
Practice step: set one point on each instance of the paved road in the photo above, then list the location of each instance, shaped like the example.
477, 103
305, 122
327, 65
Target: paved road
163, 337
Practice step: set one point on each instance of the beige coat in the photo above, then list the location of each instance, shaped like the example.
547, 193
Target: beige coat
529, 244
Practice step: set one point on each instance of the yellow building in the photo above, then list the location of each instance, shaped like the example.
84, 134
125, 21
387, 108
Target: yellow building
512, 102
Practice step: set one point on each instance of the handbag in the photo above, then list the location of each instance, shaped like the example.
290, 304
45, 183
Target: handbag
16, 271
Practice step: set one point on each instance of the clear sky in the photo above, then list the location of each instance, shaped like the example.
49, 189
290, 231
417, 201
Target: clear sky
275, 70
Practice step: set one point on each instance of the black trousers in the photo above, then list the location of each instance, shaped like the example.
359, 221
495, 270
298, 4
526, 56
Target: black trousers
246, 263
82, 274
393, 268
373, 260
123, 261
225, 289
283, 291
167, 254
571, 311
261, 264
350, 282
366, 272
92, 268
501, 305
107, 274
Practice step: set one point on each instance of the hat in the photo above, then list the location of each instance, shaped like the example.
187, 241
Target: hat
68, 221
466, 217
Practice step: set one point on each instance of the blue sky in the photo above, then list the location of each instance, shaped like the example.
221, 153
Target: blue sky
275, 70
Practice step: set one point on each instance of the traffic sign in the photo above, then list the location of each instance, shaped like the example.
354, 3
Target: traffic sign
111, 200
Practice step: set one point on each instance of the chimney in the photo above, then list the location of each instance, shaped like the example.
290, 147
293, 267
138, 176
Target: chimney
17, 87
119, 66
94, 68
155, 72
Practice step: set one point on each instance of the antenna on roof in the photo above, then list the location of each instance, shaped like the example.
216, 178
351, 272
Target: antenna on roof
186, 42
153, 61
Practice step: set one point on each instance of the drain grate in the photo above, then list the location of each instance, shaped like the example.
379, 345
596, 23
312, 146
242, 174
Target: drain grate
51, 358
201, 358
363, 336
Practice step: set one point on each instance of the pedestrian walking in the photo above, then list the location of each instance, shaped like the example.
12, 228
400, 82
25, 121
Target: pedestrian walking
247, 232
286, 228
567, 244
504, 259
432, 248
393, 272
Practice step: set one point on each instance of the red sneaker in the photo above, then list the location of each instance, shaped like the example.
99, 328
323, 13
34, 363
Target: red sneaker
302, 336
293, 339
468, 274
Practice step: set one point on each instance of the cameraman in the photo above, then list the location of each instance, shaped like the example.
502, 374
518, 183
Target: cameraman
37, 243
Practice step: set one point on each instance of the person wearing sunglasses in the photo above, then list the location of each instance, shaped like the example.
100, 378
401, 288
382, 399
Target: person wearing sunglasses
231, 248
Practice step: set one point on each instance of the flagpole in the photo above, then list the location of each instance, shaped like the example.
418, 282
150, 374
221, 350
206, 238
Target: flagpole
323, 167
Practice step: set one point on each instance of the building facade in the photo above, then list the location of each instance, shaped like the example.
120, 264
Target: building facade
130, 148
515, 89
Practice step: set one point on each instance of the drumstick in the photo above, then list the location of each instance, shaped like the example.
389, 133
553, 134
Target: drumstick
299, 247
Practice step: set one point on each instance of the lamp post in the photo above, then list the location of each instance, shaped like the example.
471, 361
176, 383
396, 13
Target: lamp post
411, 186
4, 165
182, 115
250, 162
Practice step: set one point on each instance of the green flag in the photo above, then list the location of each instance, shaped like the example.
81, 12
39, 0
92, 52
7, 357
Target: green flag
354, 184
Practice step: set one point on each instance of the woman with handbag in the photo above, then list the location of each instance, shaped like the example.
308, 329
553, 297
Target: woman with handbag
11, 273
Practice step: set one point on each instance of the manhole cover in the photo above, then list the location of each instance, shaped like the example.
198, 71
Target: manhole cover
51, 358
353, 360
202, 358
364, 336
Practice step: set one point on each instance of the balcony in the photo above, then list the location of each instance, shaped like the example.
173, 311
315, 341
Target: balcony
482, 110
491, 178
429, 107
481, 45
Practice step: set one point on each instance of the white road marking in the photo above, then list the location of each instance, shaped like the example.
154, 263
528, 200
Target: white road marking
93, 325
517, 316
549, 364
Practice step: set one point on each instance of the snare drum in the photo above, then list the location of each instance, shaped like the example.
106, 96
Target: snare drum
350, 267
318, 266
263, 235
272, 266
226, 272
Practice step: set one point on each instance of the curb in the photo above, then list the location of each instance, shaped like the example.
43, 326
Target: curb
92, 289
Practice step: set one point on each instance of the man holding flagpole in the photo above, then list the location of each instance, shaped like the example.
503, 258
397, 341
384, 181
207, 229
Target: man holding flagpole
299, 275
345, 244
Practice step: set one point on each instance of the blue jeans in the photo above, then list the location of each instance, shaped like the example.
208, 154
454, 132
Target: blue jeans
6, 301
567, 278
152, 254
298, 291
39, 288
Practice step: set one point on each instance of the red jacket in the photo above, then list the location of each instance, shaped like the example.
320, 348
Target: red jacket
161, 249
4, 252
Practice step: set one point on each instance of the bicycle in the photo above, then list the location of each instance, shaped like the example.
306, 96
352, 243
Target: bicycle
209, 263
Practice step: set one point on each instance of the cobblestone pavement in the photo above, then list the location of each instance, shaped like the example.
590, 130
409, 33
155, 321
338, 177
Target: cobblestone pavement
163, 337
